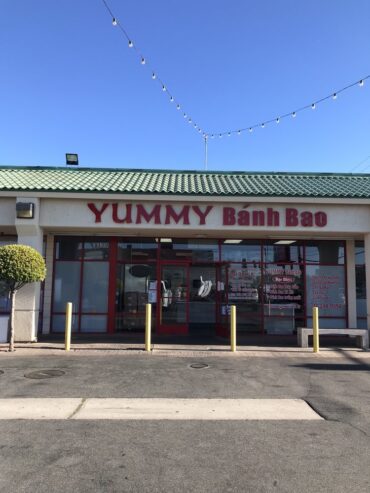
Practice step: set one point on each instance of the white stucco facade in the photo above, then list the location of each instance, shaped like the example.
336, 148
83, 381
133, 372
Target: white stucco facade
182, 217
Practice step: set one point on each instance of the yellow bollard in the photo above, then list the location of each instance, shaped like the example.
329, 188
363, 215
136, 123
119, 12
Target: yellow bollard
233, 328
68, 327
315, 323
148, 326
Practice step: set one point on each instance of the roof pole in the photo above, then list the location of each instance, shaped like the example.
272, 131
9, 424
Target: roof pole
206, 152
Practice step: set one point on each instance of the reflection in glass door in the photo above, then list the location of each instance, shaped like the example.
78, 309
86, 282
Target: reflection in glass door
202, 299
174, 296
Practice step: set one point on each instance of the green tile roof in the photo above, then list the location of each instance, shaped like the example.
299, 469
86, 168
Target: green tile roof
152, 182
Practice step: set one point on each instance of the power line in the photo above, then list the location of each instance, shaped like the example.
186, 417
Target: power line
238, 131
359, 164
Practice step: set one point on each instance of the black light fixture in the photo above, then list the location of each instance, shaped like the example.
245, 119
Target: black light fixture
25, 210
72, 159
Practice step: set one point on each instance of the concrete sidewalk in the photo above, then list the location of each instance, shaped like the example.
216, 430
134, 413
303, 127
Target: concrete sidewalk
157, 409
176, 350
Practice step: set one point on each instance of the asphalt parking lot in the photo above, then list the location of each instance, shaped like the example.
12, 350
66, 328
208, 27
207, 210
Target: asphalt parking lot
328, 455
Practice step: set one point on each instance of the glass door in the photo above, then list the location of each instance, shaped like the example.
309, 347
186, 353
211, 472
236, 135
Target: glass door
174, 299
222, 303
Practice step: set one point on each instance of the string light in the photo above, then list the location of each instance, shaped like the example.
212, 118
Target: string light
205, 135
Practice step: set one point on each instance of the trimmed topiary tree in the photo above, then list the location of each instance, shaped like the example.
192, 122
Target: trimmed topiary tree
19, 265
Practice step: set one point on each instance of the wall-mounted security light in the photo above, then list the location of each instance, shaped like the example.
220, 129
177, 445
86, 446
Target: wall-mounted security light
72, 159
25, 210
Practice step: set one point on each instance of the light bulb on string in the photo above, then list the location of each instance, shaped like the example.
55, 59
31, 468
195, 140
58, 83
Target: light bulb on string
200, 130
143, 62
130, 44
195, 125
250, 130
164, 88
154, 76
229, 134
171, 99
313, 106
239, 132
263, 125
294, 114
189, 121
114, 21
178, 107
185, 115
278, 120
361, 83
335, 95
220, 136
212, 136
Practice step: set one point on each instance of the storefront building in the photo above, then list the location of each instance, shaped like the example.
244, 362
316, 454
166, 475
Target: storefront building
191, 244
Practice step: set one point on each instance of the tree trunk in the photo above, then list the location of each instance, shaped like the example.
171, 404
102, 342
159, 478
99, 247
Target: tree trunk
11, 320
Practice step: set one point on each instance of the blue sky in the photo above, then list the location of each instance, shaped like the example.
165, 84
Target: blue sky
69, 83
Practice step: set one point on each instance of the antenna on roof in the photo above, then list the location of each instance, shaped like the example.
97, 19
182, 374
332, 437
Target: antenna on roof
205, 151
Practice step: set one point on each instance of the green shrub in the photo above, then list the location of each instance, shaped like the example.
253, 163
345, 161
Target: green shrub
20, 265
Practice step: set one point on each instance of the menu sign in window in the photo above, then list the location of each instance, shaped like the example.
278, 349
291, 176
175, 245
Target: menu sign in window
284, 285
244, 283
326, 290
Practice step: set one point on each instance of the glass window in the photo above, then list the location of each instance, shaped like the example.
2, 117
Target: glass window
68, 249
361, 290
66, 285
194, 250
282, 253
4, 298
96, 250
245, 251
137, 250
325, 287
95, 287
59, 323
325, 252
329, 323
360, 252
135, 283
283, 290
93, 323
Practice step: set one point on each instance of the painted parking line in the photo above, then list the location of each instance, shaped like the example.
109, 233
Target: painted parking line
34, 408
156, 409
